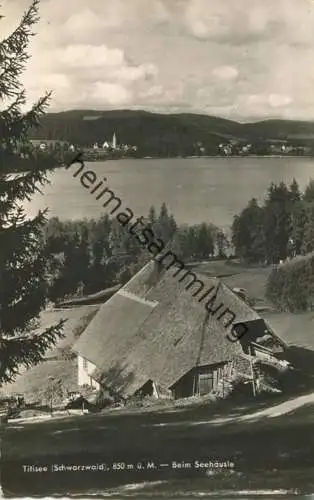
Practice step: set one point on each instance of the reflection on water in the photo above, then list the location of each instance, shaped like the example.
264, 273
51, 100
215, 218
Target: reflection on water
195, 190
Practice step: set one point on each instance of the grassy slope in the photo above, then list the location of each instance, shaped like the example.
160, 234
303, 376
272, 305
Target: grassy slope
253, 279
34, 382
268, 453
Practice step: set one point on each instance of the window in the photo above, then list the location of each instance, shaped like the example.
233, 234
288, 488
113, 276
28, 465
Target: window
85, 364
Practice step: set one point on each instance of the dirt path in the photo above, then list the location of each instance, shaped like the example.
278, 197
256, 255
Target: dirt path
282, 408
272, 412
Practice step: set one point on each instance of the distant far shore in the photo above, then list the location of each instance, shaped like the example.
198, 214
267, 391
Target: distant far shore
202, 156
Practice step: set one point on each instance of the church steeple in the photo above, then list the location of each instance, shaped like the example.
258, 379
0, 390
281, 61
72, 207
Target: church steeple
114, 141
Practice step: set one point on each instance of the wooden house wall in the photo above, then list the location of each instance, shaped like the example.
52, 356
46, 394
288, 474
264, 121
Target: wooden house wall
191, 384
185, 387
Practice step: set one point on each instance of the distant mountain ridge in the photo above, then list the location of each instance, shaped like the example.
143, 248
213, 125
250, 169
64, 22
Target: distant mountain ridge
166, 134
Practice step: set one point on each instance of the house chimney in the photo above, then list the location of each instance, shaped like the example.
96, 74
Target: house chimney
156, 272
158, 267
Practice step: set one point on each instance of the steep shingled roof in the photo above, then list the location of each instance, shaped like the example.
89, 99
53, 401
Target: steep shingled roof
154, 329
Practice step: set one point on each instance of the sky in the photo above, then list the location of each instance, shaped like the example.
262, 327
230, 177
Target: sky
240, 59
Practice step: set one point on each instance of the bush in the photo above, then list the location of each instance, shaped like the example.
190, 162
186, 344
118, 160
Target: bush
268, 384
136, 401
141, 401
290, 286
103, 400
239, 386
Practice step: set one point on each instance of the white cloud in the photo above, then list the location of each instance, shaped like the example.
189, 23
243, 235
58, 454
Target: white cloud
134, 73
87, 76
278, 100
86, 56
239, 58
110, 93
154, 91
227, 19
226, 72
86, 20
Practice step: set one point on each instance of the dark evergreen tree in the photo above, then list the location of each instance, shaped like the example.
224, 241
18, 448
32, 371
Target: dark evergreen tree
172, 226
277, 223
152, 217
54, 236
297, 219
247, 233
177, 244
308, 195
23, 281
222, 244
305, 224
204, 242
294, 191
83, 256
165, 225
103, 267
308, 232
190, 248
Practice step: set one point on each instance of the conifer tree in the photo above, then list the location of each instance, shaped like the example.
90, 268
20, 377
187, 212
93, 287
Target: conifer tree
152, 217
247, 233
166, 225
23, 283
205, 242
298, 218
308, 195
277, 222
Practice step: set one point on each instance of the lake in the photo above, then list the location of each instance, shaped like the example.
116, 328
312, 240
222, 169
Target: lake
195, 190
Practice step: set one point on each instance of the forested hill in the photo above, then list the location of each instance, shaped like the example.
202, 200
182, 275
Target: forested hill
152, 133
292, 130
168, 133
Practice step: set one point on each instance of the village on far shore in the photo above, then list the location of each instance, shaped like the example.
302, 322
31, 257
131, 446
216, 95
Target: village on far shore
113, 148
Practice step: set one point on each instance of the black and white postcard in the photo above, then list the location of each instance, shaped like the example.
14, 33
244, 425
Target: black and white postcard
157, 248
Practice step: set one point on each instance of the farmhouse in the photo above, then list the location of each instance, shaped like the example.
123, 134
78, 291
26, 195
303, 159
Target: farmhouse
152, 336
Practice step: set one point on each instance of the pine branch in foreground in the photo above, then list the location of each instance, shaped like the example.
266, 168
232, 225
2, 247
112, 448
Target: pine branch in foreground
26, 350
23, 260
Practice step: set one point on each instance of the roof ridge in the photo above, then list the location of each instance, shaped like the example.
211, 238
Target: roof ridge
133, 296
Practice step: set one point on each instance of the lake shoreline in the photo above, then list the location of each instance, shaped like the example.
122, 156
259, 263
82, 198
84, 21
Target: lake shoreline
89, 160
281, 157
